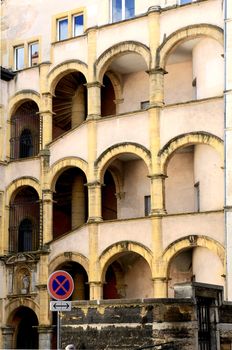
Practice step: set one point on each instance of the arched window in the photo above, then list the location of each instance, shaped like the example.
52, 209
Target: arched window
26, 144
25, 235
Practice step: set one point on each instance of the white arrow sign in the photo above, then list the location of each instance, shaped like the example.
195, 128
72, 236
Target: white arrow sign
60, 305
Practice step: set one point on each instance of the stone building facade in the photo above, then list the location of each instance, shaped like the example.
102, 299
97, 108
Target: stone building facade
115, 153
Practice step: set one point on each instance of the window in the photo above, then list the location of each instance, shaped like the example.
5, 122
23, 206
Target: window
62, 28
19, 57
78, 24
144, 104
197, 196
147, 205
122, 9
33, 54
183, 2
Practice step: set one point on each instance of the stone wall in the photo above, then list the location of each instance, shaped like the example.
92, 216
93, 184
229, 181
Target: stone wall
130, 324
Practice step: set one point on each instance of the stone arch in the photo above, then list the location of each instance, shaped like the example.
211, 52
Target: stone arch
64, 68
69, 256
117, 84
15, 304
183, 140
186, 33
118, 49
112, 152
192, 241
15, 185
21, 97
62, 164
108, 255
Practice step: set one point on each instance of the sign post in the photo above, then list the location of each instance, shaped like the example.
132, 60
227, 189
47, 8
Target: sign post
60, 287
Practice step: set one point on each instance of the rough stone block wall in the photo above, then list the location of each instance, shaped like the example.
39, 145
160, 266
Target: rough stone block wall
225, 326
130, 324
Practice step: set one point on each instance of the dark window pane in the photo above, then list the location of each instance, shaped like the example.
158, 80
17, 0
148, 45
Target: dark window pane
129, 8
116, 10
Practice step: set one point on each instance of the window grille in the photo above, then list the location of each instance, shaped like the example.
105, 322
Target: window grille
25, 129
24, 226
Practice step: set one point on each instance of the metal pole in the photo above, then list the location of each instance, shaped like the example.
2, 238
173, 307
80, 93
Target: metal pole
58, 330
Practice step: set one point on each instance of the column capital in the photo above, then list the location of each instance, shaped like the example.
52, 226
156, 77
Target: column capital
156, 70
158, 213
93, 84
157, 176
93, 184
155, 8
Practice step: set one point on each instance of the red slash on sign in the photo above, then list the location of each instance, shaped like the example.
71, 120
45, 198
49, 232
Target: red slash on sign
60, 285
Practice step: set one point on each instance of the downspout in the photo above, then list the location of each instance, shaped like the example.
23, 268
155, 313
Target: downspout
225, 147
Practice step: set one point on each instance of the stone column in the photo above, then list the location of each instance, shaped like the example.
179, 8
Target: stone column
157, 178
46, 115
94, 100
45, 336
94, 194
47, 215
95, 284
7, 337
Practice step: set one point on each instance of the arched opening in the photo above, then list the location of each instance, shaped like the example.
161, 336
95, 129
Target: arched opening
108, 106
109, 200
80, 279
126, 186
25, 130
130, 68
195, 177
128, 277
24, 221
70, 201
197, 82
69, 103
194, 264
25, 323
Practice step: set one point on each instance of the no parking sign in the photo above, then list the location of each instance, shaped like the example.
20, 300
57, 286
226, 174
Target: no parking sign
60, 285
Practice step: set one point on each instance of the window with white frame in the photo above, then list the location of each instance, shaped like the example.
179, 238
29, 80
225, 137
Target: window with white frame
19, 57
62, 28
78, 24
122, 9
33, 54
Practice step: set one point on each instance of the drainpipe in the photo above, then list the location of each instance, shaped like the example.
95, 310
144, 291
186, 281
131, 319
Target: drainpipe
227, 137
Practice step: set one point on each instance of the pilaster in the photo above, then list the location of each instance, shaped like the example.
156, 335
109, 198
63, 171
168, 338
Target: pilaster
42, 288
45, 336
7, 337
